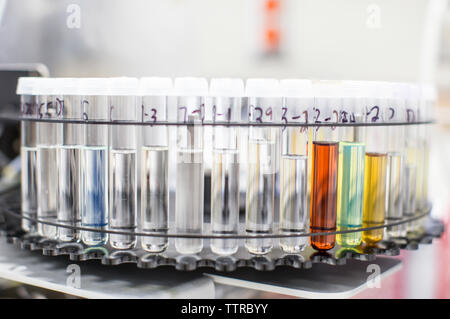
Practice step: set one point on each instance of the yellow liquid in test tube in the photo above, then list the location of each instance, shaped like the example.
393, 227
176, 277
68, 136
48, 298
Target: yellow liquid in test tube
374, 204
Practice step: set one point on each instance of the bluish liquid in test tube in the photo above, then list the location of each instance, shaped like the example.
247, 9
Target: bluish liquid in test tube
28, 154
350, 192
47, 177
352, 151
155, 161
297, 107
225, 167
69, 162
95, 160
190, 173
123, 181
262, 147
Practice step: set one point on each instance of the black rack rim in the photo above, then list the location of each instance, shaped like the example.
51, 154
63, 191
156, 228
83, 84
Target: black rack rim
14, 214
17, 118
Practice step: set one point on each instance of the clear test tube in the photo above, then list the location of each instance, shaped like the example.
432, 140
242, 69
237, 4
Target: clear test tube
394, 111
420, 153
429, 97
411, 96
95, 160
155, 162
123, 106
47, 177
70, 139
325, 155
352, 148
298, 101
28, 150
375, 171
226, 107
264, 103
189, 194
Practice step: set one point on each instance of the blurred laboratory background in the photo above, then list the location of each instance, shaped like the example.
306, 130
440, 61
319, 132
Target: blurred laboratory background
385, 40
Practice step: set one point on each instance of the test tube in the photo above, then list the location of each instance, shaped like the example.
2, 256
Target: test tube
155, 158
374, 204
410, 93
46, 174
189, 194
429, 96
298, 101
122, 156
28, 108
70, 139
325, 154
264, 100
352, 150
395, 112
95, 160
226, 107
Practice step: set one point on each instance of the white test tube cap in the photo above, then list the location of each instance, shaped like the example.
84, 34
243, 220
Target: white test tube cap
378, 90
26, 85
66, 86
397, 90
354, 89
413, 91
327, 89
404, 90
386, 90
429, 92
408, 91
259, 87
123, 86
44, 86
226, 87
296, 88
190, 86
93, 86
155, 86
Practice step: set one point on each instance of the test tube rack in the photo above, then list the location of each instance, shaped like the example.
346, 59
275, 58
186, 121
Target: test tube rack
262, 224
9, 228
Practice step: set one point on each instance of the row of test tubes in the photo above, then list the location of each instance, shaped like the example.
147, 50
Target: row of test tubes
85, 173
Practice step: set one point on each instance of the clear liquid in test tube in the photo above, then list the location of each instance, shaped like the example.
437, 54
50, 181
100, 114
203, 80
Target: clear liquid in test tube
297, 108
264, 103
351, 165
190, 170
70, 139
95, 161
395, 112
123, 106
227, 99
155, 161
47, 177
28, 152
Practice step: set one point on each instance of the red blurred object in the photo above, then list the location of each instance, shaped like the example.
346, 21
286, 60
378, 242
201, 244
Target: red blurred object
271, 26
